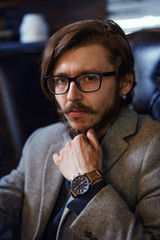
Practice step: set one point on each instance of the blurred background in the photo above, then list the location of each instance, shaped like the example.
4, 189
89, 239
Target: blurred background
133, 15
25, 26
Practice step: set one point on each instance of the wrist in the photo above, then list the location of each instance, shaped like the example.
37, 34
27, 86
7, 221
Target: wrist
81, 184
94, 177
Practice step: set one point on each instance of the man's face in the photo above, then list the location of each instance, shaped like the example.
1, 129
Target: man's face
87, 110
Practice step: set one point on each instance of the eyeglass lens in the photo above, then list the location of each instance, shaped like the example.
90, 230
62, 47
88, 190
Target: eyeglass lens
85, 82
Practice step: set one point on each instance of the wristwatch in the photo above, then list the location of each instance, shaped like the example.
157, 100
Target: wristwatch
80, 184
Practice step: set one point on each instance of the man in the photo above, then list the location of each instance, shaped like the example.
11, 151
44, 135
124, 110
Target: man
96, 175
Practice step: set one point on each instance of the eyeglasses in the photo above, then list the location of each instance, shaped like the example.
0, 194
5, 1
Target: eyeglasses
86, 82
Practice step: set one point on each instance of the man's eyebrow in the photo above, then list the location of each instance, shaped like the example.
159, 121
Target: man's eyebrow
79, 73
60, 74
89, 71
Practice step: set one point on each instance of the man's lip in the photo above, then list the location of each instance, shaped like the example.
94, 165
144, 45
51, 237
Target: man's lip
75, 113
74, 110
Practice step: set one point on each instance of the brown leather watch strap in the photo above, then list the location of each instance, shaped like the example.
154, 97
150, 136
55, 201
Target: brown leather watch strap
94, 176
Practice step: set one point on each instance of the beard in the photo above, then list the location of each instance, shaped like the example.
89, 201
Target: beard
106, 118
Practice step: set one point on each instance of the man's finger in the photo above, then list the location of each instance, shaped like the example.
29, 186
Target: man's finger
92, 138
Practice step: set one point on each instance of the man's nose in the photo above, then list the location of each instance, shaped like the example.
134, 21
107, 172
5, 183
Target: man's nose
74, 93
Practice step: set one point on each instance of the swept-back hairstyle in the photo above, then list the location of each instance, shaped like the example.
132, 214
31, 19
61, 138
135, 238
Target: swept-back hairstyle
83, 33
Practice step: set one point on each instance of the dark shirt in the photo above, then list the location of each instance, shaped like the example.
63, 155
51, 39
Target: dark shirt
51, 228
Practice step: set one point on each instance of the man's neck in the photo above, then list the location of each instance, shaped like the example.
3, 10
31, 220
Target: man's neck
103, 131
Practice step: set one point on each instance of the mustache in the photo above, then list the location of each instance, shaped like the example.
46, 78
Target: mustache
78, 106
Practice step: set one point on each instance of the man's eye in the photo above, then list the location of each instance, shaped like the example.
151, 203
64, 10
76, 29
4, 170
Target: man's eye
61, 80
90, 77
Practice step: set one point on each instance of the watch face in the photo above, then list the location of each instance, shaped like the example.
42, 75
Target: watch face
80, 184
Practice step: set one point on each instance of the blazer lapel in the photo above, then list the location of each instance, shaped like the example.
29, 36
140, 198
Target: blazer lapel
114, 143
64, 215
51, 185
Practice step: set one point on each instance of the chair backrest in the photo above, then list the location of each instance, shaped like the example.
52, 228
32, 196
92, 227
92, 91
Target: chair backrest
10, 138
146, 50
23, 106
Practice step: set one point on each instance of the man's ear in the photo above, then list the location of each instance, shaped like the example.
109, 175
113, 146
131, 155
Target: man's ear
126, 83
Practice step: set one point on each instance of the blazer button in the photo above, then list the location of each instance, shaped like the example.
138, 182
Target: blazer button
90, 236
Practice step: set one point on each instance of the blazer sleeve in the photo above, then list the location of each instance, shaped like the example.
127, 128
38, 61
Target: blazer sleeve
107, 216
11, 198
12, 193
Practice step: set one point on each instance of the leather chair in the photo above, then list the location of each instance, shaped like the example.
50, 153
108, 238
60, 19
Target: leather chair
23, 106
10, 139
146, 50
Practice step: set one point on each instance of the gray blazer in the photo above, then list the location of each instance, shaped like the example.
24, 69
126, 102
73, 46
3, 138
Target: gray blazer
127, 208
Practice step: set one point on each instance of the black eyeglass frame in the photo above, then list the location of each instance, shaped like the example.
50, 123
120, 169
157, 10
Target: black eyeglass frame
74, 79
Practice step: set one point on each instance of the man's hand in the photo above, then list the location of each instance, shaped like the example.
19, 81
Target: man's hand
81, 155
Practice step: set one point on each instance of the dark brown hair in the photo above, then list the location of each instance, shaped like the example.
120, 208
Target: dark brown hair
106, 33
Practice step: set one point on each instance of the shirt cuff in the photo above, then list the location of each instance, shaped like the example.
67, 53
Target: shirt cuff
79, 203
